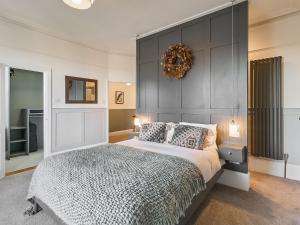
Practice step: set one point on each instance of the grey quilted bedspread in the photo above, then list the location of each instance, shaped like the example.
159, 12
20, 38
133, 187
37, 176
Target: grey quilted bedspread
116, 185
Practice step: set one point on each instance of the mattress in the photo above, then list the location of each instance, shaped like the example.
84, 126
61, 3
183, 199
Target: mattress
207, 160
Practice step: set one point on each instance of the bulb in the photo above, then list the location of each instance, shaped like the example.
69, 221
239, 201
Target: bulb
128, 84
234, 129
77, 2
137, 122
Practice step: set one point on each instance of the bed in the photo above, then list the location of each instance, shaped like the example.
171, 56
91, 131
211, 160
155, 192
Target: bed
179, 187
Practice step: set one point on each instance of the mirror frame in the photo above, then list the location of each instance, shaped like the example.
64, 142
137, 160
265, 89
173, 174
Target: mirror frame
84, 101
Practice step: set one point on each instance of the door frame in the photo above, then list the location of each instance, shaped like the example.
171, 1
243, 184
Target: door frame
47, 103
2, 121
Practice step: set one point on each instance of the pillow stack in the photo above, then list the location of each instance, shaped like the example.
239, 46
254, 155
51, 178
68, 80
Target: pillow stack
189, 135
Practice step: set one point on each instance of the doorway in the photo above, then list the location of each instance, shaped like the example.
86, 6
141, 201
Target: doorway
26, 118
122, 110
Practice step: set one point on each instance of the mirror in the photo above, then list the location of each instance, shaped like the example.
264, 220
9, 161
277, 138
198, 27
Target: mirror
76, 90
80, 90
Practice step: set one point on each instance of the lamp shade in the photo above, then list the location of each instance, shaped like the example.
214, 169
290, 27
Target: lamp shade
234, 129
137, 122
79, 4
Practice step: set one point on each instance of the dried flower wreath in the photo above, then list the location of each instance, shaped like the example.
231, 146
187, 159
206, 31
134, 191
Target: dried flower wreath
177, 61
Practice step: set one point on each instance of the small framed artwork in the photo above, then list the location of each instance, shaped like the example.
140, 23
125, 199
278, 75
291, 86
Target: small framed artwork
119, 97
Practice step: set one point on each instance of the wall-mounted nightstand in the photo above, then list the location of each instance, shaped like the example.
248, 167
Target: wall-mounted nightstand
235, 157
132, 135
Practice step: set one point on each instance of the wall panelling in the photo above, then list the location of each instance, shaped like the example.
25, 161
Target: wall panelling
210, 91
72, 128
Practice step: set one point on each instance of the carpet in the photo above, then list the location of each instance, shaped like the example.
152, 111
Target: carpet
24, 161
271, 201
13, 191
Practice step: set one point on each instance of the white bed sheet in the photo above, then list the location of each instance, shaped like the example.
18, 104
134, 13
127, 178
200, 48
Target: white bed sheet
207, 161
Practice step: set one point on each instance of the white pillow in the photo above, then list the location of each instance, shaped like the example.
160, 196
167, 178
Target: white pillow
170, 128
212, 131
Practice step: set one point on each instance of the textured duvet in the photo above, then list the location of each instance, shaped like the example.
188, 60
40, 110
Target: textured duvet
114, 185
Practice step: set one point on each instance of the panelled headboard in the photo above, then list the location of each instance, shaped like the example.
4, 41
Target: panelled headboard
206, 93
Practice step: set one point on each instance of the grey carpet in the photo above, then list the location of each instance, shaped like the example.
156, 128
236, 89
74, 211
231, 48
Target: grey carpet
13, 190
271, 201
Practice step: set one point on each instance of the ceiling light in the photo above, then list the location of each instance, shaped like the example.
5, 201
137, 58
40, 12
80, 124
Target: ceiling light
128, 84
79, 4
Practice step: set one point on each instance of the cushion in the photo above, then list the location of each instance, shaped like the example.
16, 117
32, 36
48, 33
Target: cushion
189, 136
212, 132
154, 132
170, 127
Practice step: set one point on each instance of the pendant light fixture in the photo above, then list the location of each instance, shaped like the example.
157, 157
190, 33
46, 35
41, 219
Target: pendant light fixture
79, 4
234, 128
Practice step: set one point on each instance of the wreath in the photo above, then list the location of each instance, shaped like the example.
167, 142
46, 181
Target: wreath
177, 61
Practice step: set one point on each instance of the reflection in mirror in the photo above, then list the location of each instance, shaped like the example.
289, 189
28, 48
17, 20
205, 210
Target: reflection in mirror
76, 90
90, 91
80, 90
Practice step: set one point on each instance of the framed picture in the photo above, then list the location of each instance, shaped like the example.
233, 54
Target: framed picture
119, 97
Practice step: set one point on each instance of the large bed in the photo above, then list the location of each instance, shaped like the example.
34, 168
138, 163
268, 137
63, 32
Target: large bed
147, 183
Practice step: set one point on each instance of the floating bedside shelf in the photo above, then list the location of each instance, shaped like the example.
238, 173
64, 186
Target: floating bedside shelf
235, 156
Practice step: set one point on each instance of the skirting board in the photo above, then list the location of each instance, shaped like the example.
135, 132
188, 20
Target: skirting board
274, 168
293, 172
235, 179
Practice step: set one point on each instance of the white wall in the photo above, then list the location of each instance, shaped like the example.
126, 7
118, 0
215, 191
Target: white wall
30, 49
26, 48
121, 68
281, 37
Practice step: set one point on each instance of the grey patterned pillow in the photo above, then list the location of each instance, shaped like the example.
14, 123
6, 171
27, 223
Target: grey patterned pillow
154, 132
189, 137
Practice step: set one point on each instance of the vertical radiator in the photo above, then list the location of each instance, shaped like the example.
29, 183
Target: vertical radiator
265, 108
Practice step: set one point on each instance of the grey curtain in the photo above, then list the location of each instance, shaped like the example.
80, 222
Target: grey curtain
265, 108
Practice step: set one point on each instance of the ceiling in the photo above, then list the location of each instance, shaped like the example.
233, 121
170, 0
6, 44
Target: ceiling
112, 25
261, 10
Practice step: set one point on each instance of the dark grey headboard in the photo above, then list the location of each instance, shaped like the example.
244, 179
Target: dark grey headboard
205, 95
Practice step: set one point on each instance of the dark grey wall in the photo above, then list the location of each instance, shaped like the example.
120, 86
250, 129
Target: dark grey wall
121, 119
206, 94
26, 91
